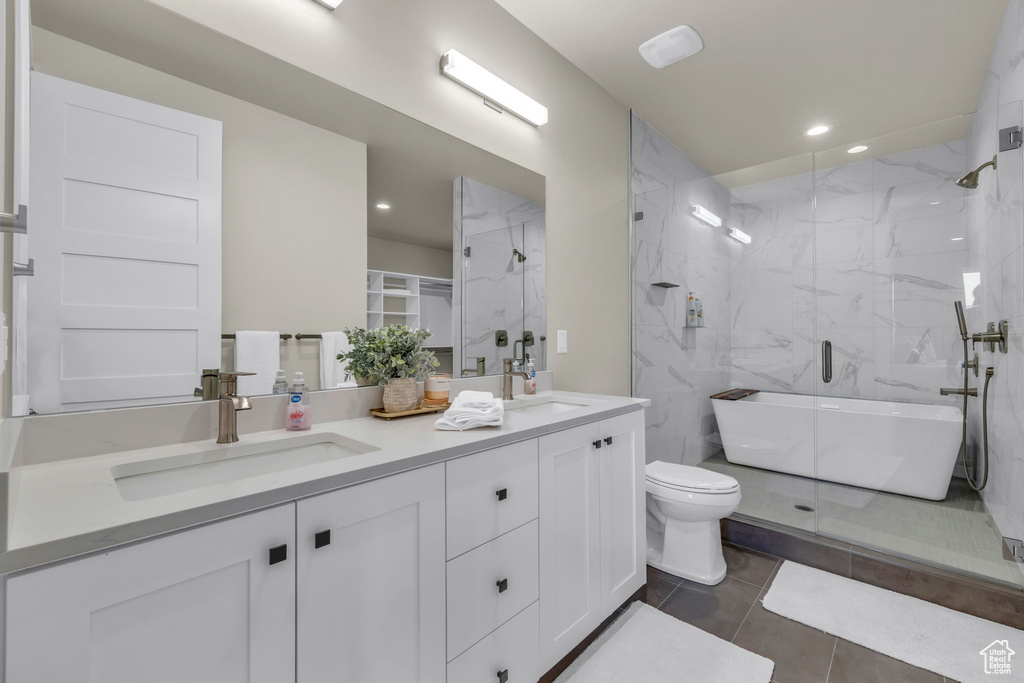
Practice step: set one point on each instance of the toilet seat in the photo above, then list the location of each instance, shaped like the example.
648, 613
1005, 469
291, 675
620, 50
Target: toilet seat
690, 479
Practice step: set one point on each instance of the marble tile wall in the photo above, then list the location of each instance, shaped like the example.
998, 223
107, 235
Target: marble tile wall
675, 366
996, 253
863, 255
494, 290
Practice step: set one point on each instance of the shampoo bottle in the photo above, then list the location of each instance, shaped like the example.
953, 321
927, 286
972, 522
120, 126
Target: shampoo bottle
700, 311
531, 384
280, 383
691, 311
297, 417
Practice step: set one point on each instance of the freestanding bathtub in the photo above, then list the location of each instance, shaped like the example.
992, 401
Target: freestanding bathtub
903, 448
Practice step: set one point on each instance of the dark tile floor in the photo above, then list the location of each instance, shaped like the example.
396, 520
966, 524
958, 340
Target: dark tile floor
732, 610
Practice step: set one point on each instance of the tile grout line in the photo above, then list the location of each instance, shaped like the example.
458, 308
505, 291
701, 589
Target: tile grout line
754, 603
669, 595
835, 646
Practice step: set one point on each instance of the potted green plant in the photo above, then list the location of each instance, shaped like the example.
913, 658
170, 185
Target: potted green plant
390, 357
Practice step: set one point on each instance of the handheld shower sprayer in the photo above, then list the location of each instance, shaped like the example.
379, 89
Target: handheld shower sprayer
960, 319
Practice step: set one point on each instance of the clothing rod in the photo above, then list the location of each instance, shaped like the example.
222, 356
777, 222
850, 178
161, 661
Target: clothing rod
231, 336
299, 335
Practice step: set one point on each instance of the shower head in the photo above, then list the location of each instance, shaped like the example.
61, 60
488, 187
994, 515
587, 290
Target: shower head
970, 181
960, 320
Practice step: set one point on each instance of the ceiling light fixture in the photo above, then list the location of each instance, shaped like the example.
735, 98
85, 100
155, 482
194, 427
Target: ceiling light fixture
739, 235
672, 46
955, 239
468, 73
331, 4
703, 214
383, 206
817, 130
857, 150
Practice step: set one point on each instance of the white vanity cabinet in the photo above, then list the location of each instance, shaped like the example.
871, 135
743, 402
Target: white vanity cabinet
591, 528
215, 604
371, 581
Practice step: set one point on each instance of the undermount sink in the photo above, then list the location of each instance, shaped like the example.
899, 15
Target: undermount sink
225, 464
548, 405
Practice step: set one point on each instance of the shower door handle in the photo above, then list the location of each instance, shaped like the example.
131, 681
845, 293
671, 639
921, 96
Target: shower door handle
826, 361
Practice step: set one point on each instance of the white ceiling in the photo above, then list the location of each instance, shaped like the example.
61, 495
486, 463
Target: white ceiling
771, 69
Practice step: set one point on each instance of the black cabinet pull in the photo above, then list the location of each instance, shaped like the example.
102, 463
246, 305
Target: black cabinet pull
608, 440
502, 494
322, 538
278, 553
503, 676
597, 444
502, 585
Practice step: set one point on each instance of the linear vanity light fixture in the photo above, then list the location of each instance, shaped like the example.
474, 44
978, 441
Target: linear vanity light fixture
331, 4
739, 235
706, 216
468, 73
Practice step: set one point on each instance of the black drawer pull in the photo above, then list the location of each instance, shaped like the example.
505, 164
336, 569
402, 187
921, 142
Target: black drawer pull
502, 494
597, 444
608, 440
503, 676
502, 585
278, 553
322, 538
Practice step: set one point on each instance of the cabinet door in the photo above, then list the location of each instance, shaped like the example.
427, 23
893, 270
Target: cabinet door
203, 605
371, 598
570, 591
623, 522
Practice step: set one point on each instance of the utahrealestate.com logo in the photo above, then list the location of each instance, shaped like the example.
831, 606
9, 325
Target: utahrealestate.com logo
997, 657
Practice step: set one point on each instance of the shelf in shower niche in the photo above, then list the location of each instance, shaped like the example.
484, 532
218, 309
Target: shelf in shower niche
664, 285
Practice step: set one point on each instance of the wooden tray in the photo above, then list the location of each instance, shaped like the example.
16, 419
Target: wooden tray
418, 410
735, 394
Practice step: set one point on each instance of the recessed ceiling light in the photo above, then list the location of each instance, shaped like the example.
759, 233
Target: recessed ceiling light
672, 46
383, 206
854, 150
817, 130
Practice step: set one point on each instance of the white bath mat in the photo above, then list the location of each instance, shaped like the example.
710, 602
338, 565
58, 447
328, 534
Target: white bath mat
648, 646
920, 633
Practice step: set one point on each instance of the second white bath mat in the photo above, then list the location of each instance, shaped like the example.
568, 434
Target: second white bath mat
926, 635
648, 646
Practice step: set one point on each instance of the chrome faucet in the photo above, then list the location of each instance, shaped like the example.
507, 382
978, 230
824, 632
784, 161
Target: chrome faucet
229, 405
506, 382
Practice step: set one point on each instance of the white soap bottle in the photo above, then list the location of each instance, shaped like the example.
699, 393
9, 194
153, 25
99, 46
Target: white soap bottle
691, 311
297, 415
280, 383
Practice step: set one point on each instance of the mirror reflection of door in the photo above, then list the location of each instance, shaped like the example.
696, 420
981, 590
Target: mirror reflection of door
125, 306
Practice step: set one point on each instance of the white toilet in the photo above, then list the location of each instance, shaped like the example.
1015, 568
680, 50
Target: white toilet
684, 506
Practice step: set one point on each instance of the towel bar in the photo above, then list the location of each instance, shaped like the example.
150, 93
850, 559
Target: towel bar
299, 335
231, 336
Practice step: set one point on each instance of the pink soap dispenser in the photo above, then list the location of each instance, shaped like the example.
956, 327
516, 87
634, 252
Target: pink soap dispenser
297, 416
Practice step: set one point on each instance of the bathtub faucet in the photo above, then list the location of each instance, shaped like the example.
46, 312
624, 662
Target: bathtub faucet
946, 391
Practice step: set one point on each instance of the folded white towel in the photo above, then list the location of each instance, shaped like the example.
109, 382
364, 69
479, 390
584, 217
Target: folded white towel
258, 352
332, 372
478, 409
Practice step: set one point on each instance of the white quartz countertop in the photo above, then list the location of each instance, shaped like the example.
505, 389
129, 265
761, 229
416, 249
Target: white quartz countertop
71, 507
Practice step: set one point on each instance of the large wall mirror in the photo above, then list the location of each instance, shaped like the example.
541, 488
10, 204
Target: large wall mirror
182, 215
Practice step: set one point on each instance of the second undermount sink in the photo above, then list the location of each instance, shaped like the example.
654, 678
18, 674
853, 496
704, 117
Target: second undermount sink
225, 464
546, 405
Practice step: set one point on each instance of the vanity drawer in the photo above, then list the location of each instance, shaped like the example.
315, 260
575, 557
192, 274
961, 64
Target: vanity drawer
489, 494
512, 649
489, 585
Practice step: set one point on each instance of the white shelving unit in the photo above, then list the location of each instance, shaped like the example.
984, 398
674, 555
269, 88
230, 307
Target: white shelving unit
411, 300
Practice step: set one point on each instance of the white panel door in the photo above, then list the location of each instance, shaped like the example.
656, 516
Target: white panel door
125, 305
570, 537
371, 597
623, 509
204, 606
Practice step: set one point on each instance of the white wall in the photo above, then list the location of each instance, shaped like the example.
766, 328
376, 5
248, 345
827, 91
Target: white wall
411, 259
389, 51
294, 203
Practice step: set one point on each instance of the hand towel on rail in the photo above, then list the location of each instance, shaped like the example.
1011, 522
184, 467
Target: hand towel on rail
258, 352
